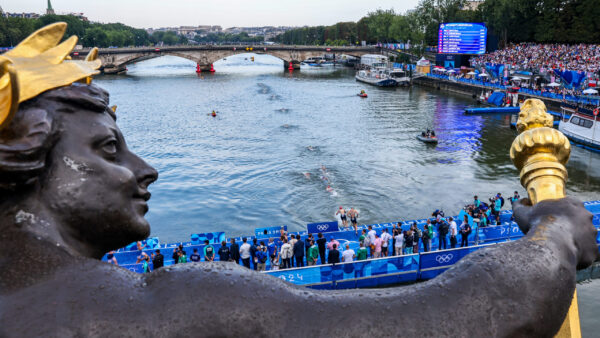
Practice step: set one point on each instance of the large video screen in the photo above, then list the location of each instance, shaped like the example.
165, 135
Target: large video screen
462, 38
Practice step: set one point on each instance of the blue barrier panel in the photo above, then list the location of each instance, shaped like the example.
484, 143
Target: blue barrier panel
304, 276
211, 237
314, 228
494, 233
150, 243
134, 267
271, 231
369, 273
434, 263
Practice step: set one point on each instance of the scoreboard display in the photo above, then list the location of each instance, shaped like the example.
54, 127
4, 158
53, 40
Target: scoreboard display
462, 38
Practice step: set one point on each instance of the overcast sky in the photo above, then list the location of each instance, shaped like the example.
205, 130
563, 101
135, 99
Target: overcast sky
227, 13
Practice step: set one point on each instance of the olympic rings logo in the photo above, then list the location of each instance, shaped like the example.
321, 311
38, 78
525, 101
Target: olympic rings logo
322, 227
444, 258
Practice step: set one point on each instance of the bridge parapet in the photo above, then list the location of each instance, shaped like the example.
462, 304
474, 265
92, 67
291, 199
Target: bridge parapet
115, 60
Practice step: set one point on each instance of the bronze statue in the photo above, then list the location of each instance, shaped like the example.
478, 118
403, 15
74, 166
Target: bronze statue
70, 190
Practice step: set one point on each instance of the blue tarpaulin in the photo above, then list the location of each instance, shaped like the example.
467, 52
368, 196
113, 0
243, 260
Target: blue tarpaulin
571, 78
495, 70
496, 98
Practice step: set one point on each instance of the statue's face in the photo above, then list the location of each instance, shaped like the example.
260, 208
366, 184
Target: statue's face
94, 185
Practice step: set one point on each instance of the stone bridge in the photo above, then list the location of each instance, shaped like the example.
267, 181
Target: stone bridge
115, 60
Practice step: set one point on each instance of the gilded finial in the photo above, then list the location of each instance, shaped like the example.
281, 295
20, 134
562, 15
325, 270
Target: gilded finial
540, 153
40, 63
533, 115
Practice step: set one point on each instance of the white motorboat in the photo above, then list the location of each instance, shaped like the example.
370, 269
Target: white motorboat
400, 76
378, 76
581, 126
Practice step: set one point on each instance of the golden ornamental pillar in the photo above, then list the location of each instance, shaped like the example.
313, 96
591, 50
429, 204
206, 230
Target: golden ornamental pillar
540, 153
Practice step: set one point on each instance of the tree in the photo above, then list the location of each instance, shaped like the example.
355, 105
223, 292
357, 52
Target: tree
96, 37
379, 23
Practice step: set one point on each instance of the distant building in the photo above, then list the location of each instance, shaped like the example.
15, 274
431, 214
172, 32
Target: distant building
49, 10
188, 31
268, 32
80, 16
20, 15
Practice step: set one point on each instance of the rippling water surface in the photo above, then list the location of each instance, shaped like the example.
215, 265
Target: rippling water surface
258, 163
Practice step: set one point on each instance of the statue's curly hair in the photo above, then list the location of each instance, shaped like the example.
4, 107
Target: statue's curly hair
26, 141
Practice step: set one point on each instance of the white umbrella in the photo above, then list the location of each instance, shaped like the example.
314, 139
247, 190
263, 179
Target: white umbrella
590, 91
552, 84
483, 75
471, 73
451, 71
516, 78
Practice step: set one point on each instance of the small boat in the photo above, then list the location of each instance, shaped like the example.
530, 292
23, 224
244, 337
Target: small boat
309, 65
580, 127
425, 139
400, 76
363, 95
377, 77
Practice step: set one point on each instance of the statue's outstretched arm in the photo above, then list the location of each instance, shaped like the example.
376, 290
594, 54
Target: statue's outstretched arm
522, 288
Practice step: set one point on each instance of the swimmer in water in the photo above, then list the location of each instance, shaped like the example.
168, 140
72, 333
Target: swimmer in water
329, 188
213, 114
311, 148
342, 214
307, 175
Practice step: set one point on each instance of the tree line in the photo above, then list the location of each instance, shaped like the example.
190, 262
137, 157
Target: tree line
544, 21
14, 30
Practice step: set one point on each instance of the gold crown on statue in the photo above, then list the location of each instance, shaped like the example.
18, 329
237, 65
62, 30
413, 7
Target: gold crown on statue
40, 63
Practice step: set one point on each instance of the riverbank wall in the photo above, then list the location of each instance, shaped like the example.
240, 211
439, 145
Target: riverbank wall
475, 90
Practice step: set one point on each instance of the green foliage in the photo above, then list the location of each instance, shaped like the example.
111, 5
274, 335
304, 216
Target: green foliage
14, 30
545, 21
227, 37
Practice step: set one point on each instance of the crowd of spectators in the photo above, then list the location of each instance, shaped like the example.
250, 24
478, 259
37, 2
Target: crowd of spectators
540, 58
291, 251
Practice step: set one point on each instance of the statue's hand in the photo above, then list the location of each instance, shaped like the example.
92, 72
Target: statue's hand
567, 213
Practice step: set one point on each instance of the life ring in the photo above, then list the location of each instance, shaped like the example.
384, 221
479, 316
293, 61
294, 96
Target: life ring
596, 111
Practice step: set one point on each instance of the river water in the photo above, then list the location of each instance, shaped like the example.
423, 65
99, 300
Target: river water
258, 163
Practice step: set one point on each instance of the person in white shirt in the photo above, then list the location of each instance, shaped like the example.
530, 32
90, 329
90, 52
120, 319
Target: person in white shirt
371, 234
453, 232
245, 253
399, 236
385, 237
286, 254
348, 255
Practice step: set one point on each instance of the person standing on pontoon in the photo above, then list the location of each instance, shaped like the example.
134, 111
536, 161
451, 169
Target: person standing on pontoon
353, 214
